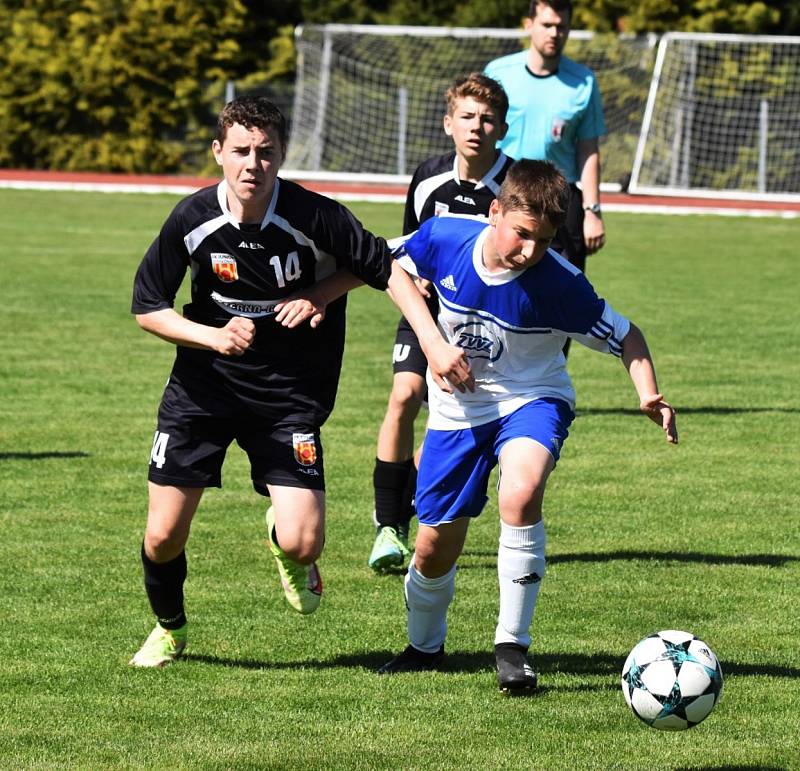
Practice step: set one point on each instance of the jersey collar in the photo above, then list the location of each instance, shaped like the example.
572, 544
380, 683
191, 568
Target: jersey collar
488, 178
222, 200
490, 279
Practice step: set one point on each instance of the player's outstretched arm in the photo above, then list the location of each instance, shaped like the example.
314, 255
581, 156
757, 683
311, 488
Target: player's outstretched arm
448, 363
231, 340
312, 302
637, 360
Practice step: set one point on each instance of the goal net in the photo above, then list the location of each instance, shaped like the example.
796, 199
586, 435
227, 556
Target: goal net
369, 99
722, 118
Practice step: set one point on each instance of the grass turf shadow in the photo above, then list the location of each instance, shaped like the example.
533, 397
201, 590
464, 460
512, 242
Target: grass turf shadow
472, 662
769, 560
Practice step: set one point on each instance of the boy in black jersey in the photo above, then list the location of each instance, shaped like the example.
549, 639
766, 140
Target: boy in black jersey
245, 368
463, 181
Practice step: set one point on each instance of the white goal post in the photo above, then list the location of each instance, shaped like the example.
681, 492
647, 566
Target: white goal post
369, 100
722, 119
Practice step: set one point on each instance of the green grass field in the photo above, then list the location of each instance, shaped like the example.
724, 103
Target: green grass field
642, 536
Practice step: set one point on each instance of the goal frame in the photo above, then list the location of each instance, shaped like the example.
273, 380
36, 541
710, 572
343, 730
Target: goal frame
637, 188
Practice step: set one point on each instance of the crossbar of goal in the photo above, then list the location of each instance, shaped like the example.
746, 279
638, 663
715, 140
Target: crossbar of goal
369, 99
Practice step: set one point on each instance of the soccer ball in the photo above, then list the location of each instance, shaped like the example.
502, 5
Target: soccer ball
671, 680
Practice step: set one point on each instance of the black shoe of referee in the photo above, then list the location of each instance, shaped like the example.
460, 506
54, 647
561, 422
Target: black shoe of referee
412, 660
515, 675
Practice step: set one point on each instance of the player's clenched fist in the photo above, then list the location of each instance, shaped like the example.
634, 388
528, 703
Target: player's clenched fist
235, 337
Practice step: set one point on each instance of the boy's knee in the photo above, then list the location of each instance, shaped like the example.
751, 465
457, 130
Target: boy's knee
304, 546
163, 544
521, 506
406, 399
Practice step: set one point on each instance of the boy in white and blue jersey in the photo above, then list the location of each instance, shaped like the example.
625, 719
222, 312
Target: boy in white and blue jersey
510, 303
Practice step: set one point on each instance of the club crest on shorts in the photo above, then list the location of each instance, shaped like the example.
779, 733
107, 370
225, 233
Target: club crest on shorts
224, 266
305, 449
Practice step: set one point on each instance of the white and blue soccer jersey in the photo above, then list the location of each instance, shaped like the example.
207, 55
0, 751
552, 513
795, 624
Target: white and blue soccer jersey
548, 115
512, 325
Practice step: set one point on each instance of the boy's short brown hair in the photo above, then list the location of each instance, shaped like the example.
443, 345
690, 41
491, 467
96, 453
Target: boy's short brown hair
249, 111
482, 89
535, 187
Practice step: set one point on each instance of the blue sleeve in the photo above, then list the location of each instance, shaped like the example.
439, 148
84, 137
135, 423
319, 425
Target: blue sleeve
594, 323
415, 252
592, 123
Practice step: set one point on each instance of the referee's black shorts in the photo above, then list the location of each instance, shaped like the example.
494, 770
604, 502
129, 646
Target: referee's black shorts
569, 237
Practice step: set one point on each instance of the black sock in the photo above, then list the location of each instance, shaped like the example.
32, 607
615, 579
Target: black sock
408, 497
163, 583
390, 481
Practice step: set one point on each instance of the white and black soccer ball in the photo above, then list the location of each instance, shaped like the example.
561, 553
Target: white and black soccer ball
671, 680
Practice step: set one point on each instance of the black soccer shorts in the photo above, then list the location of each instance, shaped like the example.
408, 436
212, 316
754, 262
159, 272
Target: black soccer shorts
407, 355
189, 448
568, 241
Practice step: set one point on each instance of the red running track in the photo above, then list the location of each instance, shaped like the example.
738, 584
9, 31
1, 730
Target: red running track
374, 191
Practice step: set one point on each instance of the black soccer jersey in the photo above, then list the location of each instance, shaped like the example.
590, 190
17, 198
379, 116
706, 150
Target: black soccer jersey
245, 270
436, 189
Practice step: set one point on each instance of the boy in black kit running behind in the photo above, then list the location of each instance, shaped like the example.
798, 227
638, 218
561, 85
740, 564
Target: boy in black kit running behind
245, 367
464, 181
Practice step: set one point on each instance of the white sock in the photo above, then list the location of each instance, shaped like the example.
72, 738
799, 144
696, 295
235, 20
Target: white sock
427, 600
520, 569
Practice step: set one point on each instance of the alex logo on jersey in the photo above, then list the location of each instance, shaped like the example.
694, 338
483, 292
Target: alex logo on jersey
478, 341
224, 265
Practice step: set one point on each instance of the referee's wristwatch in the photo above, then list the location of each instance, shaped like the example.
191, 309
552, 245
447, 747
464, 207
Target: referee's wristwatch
594, 208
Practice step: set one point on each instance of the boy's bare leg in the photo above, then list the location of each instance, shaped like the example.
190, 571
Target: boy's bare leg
169, 519
296, 532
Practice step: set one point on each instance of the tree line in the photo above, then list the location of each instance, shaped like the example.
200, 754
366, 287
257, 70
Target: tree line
134, 85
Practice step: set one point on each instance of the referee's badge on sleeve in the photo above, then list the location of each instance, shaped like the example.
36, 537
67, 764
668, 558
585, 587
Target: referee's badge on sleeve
224, 266
305, 449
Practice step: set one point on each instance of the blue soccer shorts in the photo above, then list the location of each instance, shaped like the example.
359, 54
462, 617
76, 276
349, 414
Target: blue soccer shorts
455, 466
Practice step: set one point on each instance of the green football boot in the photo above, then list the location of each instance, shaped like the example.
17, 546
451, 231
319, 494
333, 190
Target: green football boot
390, 549
162, 647
302, 584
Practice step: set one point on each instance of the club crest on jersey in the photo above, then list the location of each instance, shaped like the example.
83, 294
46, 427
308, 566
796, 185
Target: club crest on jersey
478, 341
440, 208
224, 265
305, 449
557, 129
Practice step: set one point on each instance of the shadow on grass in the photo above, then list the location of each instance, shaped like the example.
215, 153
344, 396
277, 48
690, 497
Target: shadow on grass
707, 410
770, 560
596, 664
727, 767
41, 455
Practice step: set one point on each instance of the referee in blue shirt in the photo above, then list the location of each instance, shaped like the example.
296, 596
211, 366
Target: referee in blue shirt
556, 114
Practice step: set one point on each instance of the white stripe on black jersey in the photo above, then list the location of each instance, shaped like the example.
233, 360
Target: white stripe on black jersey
244, 270
436, 189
